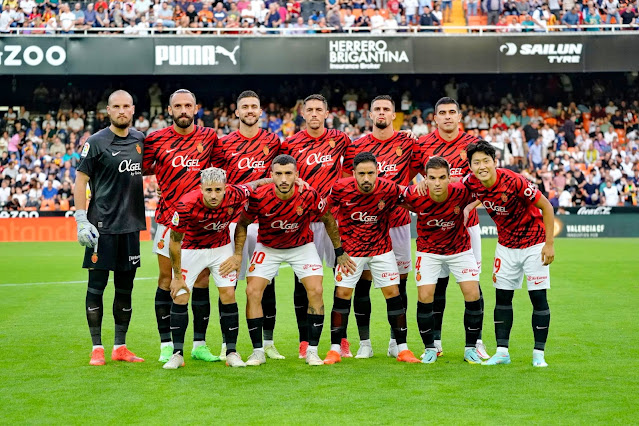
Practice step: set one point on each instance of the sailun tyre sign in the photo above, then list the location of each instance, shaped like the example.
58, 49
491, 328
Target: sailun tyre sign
561, 53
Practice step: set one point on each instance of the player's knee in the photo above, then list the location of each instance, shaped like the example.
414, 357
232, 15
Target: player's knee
314, 292
390, 291
254, 292
426, 293
182, 299
343, 293
470, 291
227, 295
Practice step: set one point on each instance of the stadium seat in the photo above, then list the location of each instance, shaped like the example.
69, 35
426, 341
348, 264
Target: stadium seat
621, 133
474, 20
551, 121
483, 133
384, 12
47, 205
357, 13
64, 205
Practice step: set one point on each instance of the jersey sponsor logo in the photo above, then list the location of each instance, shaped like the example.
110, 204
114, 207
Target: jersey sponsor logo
469, 271
233, 154
363, 217
285, 226
184, 161
168, 151
530, 191
312, 267
489, 205
250, 163
130, 166
115, 153
456, 171
303, 150
176, 219
216, 226
441, 223
390, 275
85, 149
385, 167
536, 280
319, 159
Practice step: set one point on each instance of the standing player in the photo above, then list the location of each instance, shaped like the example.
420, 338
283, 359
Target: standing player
442, 240
366, 205
318, 152
176, 154
200, 240
394, 153
246, 154
525, 245
111, 163
284, 235
449, 142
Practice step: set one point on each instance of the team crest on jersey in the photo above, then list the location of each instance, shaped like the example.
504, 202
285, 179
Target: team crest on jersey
299, 210
504, 197
418, 277
338, 278
265, 150
381, 204
331, 142
252, 267
200, 148
161, 244
138, 148
94, 258
495, 278
457, 210
399, 151
463, 155
230, 210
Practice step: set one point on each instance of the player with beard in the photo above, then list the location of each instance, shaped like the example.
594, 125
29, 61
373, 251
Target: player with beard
449, 142
111, 164
318, 152
246, 155
177, 154
365, 205
284, 214
525, 222
394, 152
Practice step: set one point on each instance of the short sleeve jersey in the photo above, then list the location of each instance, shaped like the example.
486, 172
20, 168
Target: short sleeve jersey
432, 145
114, 167
510, 202
394, 161
364, 218
284, 223
204, 227
440, 225
243, 159
177, 161
319, 160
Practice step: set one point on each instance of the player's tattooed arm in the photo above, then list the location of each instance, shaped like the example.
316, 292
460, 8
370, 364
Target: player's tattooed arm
408, 133
175, 253
343, 259
260, 182
548, 213
234, 262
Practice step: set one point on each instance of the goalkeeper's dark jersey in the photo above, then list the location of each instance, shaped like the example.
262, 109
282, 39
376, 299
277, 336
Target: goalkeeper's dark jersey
114, 167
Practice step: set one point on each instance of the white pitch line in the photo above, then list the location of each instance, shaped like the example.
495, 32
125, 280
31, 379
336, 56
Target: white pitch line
83, 281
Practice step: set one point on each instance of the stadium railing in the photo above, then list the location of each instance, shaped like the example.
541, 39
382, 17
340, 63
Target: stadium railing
401, 30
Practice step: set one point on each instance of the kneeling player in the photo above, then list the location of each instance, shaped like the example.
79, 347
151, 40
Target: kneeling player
525, 245
365, 204
443, 241
199, 240
284, 215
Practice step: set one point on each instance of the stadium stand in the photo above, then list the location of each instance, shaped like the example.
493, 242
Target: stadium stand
235, 17
572, 151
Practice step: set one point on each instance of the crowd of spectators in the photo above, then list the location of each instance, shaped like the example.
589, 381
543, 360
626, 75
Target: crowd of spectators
577, 153
304, 16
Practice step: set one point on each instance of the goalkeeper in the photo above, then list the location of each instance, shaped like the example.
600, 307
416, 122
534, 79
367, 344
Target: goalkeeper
111, 164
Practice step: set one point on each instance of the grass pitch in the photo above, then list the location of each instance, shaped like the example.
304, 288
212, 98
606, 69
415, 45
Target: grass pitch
592, 351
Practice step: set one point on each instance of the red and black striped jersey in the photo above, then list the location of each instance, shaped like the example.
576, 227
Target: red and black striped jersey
177, 161
510, 202
364, 219
284, 223
440, 225
204, 227
395, 158
319, 160
246, 160
432, 145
